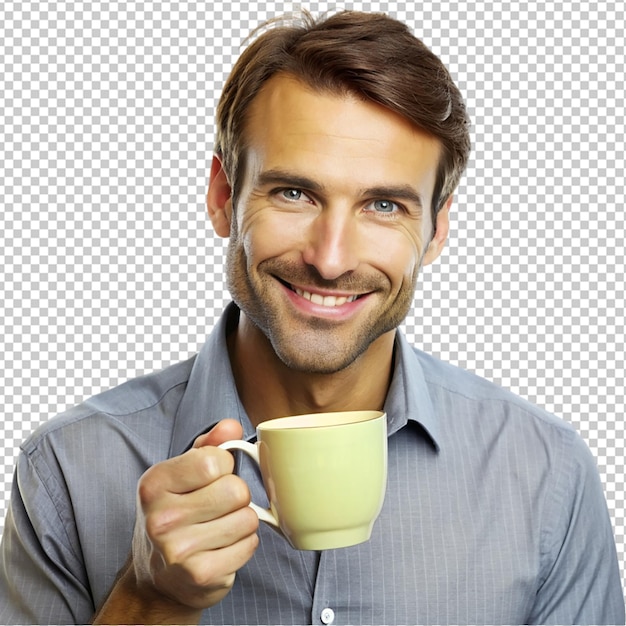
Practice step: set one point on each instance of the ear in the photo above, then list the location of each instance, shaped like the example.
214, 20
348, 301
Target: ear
442, 225
219, 199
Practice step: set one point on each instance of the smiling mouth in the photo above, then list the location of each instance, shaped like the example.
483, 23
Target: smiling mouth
318, 298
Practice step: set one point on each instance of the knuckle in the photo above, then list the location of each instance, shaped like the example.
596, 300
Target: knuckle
212, 578
236, 490
210, 465
203, 575
147, 487
250, 521
240, 525
253, 541
174, 553
160, 523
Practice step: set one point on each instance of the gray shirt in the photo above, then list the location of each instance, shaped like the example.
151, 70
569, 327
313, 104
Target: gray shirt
494, 511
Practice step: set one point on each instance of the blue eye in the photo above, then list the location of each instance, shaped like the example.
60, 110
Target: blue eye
384, 206
292, 194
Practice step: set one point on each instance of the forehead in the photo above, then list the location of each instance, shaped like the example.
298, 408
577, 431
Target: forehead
291, 125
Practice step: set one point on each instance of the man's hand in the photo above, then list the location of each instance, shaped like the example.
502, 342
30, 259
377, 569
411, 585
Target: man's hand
194, 527
193, 531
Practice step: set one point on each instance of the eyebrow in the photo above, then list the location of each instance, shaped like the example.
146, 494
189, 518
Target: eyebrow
289, 179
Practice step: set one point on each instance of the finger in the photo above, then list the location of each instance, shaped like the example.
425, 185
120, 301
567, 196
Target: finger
227, 530
206, 577
192, 470
224, 430
182, 543
225, 495
223, 562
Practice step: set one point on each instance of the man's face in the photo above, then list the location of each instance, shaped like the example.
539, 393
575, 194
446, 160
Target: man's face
331, 223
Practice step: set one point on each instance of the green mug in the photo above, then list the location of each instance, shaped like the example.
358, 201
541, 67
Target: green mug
325, 476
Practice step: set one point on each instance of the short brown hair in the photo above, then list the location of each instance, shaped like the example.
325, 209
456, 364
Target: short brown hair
370, 55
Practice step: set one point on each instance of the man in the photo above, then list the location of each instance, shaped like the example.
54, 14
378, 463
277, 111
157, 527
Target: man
339, 146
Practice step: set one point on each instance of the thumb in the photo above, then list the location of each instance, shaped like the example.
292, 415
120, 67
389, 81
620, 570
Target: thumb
225, 430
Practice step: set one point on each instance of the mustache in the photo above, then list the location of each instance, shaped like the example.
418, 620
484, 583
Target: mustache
291, 273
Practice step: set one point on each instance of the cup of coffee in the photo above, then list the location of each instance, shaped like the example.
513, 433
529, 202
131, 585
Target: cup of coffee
325, 476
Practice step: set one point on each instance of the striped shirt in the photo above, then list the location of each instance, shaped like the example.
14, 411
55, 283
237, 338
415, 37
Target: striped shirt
494, 511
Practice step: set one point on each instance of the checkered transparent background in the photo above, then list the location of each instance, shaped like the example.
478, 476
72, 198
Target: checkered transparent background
109, 269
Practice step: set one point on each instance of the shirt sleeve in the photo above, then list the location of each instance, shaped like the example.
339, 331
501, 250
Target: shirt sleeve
42, 578
580, 580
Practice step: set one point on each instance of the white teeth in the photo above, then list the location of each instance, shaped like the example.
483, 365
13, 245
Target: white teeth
329, 301
333, 301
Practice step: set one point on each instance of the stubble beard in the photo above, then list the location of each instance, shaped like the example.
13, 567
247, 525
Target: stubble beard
317, 346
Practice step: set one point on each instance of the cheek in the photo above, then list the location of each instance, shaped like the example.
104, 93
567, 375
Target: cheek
267, 234
397, 253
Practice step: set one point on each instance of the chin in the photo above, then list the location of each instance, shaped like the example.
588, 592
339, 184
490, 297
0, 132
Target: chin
318, 366
317, 356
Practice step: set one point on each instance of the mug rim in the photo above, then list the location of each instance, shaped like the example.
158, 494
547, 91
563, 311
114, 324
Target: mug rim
330, 419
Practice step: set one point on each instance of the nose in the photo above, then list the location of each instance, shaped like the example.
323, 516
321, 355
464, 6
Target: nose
332, 243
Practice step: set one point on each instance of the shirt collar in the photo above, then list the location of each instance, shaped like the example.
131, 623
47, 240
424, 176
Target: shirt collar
408, 398
211, 394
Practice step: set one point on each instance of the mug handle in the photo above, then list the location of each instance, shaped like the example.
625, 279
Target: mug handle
252, 450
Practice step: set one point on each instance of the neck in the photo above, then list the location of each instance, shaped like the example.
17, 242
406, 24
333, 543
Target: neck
269, 389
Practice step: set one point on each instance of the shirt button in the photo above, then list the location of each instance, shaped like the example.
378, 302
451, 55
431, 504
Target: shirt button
328, 616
